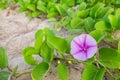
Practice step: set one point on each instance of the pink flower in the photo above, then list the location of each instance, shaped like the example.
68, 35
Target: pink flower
83, 47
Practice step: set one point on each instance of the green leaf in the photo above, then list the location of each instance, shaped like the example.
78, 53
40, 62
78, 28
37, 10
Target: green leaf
89, 23
38, 42
76, 22
69, 42
91, 72
113, 21
96, 8
41, 6
62, 71
101, 13
98, 35
40, 71
35, 14
52, 14
27, 53
4, 75
38, 33
109, 57
71, 2
47, 53
31, 7
82, 14
3, 58
101, 25
60, 9
58, 43
82, 6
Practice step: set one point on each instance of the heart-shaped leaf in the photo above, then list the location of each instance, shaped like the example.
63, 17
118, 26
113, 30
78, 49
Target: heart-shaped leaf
62, 71
40, 71
91, 72
109, 57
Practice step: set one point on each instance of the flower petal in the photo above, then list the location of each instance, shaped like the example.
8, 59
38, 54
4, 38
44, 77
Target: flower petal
91, 51
90, 40
80, 56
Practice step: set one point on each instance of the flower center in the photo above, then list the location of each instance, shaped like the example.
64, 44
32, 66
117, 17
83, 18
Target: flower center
84, 49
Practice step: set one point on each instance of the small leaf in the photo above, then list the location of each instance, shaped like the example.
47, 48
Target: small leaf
31, 7
62, 71
76, 22
38, 33
82, 14
101, 25
27, 53
95, 9
82, 6
98, 35
3, 58
40, 71
4, 75
60, 9
35, 14
91, 72
41, 6
113, 21
58, 43
47, 53
109, 57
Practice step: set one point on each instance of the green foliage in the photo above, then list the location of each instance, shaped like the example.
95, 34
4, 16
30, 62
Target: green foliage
47, 53
91, 72
40, 71
98, 35
4, 75
109, 57
3, 58
62, 71
99, 18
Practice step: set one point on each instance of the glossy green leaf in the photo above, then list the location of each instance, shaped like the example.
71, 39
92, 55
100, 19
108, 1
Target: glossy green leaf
109, 57
98, 35
62, 71
38, 33
31, 7
60, 9
76, 22
91, 72
89, 24
82, 6
40, 71
4, 75
103, 12
82, 14
113, 21
41, 6
47, 53
27, 53
71, 2
35, 14
39, 42
101, 25
95, 9
58, 43
3, 58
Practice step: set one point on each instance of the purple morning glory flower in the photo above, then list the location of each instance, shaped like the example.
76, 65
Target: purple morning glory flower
83, 47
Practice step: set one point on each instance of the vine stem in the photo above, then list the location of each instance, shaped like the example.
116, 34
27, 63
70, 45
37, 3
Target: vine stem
21, 73
106, 69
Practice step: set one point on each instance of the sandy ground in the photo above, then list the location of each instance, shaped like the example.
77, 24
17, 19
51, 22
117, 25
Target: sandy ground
17, 31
